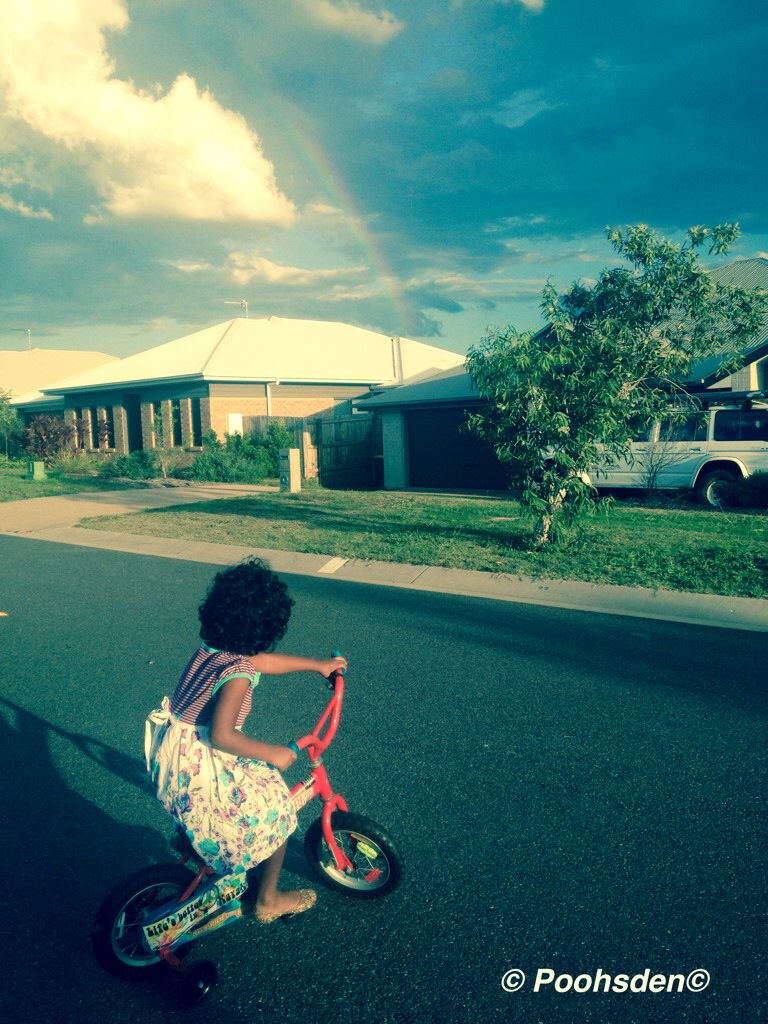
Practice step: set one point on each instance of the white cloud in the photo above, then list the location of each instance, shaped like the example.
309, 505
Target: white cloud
180, 155
532, 5
522, 107
346, 17
244, 268
496, 288
14, 206
191, 268
323, 210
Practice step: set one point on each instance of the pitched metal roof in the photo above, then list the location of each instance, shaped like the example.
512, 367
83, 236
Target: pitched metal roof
750, 274
274, 349
30, 369
451, 386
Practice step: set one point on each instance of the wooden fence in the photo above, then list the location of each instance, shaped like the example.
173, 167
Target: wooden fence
343, 451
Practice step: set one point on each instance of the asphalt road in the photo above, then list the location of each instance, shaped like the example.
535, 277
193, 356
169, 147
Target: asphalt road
571, 791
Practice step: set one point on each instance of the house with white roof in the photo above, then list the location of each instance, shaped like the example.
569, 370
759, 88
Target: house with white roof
216, 377
25, 372
426, 444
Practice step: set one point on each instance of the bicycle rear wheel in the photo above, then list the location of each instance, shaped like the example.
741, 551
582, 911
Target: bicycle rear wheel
116, 936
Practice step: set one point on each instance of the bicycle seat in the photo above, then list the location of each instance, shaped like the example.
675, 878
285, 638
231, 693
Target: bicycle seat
182, 844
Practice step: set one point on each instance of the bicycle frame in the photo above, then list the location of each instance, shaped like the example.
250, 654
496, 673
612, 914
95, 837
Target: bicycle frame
187, 917
318, 784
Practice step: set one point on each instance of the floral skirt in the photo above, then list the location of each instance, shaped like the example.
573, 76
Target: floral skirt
235, 810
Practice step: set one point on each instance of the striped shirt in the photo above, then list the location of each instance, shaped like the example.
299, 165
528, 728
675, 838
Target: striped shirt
193, 699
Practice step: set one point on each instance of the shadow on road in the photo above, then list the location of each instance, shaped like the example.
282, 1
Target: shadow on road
61, 853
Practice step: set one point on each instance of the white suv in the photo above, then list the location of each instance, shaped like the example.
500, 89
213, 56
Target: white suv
702, 453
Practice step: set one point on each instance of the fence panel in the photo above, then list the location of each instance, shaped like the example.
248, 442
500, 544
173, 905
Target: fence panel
347, 447
303, 438
343, 451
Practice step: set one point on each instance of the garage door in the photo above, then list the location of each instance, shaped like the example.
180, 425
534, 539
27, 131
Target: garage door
443, 454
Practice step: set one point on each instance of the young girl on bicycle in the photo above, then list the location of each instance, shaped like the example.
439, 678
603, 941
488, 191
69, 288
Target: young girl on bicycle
224, 788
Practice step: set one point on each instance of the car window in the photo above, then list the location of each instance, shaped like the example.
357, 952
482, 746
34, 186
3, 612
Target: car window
640, 431
741, 425
692, 428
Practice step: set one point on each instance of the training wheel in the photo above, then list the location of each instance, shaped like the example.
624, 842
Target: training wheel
197, 981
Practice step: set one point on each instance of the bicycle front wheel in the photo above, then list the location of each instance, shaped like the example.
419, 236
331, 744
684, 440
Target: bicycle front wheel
116, 936
377, 865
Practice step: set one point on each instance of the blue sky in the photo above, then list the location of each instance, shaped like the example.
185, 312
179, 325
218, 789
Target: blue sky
421, 168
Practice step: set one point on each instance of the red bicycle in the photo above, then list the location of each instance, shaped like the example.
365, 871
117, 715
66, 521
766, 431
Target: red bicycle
151, 918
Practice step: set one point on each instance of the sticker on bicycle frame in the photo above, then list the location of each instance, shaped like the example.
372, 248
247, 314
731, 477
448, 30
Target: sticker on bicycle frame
366, 850
302, 796
170, 928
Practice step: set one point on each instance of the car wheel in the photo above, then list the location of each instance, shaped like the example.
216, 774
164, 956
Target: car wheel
712, 489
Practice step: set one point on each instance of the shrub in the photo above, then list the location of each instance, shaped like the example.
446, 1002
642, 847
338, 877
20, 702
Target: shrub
752, 492
278, 436
225, 467
46, 436
235, 461
141, 465
75, 463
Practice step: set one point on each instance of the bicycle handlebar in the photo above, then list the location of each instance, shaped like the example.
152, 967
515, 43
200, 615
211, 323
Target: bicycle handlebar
338, 671
297, 745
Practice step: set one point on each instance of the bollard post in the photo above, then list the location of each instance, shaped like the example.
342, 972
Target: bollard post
290, 470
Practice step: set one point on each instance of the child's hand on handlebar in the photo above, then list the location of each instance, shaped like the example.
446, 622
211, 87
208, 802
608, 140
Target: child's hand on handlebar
282, 757
328, 666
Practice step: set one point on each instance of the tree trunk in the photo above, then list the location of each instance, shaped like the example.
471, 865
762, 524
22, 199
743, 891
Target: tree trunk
541, 530
543, 527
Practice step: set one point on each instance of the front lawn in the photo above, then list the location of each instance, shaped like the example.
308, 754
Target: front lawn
675, 547
14, 485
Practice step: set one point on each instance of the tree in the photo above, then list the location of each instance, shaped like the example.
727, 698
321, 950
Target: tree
10, 422
568, 399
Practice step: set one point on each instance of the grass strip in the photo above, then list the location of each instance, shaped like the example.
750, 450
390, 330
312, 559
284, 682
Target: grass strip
677, 548
14, 485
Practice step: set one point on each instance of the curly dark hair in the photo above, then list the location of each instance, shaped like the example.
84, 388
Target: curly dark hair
246, 609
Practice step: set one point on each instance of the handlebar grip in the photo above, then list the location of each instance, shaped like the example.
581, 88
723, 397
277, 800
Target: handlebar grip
292, 745
338, 654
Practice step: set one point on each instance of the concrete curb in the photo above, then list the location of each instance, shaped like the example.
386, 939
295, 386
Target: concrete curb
55, 519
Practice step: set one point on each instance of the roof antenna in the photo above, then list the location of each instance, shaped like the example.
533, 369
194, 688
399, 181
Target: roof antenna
28, 332
238, 302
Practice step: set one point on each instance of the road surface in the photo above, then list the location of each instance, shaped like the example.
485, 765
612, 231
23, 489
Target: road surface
574, 793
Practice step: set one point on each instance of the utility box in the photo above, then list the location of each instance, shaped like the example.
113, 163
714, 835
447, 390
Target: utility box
36, 470
290, 470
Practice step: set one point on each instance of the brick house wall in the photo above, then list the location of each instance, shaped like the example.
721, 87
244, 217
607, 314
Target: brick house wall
173, 407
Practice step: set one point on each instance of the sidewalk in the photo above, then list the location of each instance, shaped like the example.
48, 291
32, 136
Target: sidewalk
55, 519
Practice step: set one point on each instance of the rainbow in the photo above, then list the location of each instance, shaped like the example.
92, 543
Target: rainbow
314, 157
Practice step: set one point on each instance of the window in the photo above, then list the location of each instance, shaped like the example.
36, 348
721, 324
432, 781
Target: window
110, 424
640, 430
156, 412
741, 425
81, 432
197, 423
176, 422
692, 428
94, 418
641, 434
